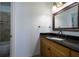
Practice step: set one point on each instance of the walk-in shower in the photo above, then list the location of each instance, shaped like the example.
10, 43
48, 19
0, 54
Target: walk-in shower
5, 28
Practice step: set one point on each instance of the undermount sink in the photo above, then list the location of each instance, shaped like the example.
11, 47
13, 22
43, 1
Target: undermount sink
54, 38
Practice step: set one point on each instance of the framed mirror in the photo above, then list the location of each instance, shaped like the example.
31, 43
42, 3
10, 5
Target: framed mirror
67, 19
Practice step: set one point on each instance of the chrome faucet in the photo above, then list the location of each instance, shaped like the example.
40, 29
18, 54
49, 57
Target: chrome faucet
60, 32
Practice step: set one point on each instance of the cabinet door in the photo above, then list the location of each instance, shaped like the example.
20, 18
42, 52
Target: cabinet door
46, 48
42, 48
60, 54
61, 51
45, 52
48, 51
74, 54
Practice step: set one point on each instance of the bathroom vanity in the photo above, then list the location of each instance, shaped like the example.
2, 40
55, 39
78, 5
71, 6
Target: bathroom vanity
68, 47
61, 45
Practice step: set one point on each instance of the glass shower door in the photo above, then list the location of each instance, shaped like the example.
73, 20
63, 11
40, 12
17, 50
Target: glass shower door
5, 28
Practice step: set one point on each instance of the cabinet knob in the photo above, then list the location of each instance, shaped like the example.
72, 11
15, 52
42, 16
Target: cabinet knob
48, 48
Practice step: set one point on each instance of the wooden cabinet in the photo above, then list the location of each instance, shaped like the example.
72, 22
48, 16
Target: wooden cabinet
52, 49
74, 54
49, 48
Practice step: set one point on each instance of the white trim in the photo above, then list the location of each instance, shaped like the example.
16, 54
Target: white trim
12, 33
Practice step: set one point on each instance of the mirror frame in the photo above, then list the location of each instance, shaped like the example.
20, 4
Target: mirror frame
62, 10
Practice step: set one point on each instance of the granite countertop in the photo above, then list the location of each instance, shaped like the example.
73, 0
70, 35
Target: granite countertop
69, 43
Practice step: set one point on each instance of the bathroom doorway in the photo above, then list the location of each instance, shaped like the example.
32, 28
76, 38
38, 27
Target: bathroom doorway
5, 12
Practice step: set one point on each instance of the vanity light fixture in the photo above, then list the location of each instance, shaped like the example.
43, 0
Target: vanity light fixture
57, 5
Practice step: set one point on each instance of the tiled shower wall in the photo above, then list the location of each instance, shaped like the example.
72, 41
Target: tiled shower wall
4, 21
